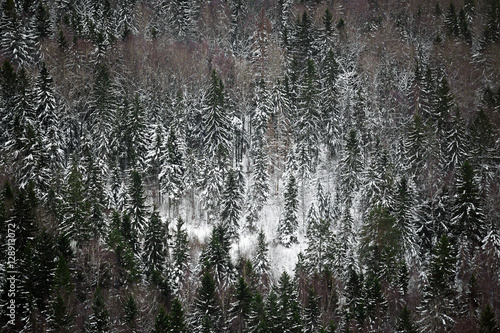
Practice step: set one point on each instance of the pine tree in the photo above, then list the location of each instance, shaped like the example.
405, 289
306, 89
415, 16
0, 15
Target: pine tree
288, 224
98, 321
154, 244
231, 205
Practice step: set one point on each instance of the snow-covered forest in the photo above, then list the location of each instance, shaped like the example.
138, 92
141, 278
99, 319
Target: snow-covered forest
250, 166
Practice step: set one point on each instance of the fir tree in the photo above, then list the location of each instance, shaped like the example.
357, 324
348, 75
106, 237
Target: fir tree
172, 169
288, 224
257, 321
75, 222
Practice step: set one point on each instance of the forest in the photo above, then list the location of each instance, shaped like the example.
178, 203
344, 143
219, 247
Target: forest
250, 166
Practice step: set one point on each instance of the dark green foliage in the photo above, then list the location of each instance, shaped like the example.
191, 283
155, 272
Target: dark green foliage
239, 312
288, 224
130, 313
162, 323
406, 324
488, 322
312, 312
98, 321
208, 312
468, 219
177, 317
137, 209
215, 257
154, 244
231, 205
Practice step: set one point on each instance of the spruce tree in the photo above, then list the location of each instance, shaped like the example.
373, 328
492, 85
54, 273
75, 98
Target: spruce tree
231, 205
351, 164
437, 305
288, 224
260, 261
154, 244
130, 313
288, 316
468, 219
98, 321
136, 208
312, 312
176, 317
406, 323
487, 322
239, 311
207, 313
180, 254
162, 321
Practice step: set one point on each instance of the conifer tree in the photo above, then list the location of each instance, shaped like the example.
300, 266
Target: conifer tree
176, 317
162, 322
456, 151
154, 244
288, 224
258, 317
136, 208
231, 205
75, 222
261, 260
487, 322
468, 218
216, 123
239, 311
180, 254
288, 314
172, 169
98, 321
207, 314
312, 312
351, 165
406, 323
437, 305
215, 257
